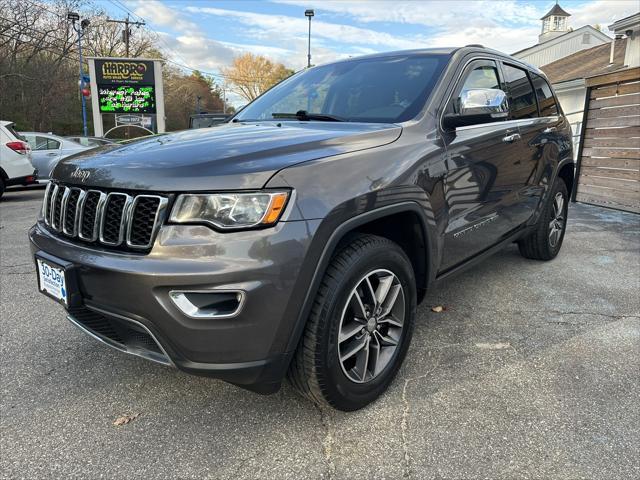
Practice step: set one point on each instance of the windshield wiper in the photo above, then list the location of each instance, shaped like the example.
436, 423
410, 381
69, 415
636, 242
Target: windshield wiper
306, 116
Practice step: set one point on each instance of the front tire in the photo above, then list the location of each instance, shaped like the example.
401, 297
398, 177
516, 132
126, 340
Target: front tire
546, 240
360, 325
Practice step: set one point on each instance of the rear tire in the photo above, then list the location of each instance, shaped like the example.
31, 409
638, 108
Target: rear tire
368, 285
545, 241
2, 187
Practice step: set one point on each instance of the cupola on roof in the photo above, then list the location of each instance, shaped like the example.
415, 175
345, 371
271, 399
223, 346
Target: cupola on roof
556, 11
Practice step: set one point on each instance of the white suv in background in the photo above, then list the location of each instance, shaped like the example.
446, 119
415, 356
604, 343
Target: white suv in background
15, 158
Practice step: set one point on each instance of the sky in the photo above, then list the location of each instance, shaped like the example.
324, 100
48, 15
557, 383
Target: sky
207, 34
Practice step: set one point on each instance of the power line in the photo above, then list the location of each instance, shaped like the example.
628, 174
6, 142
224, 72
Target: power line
127, 31
143, 23
42, 7
219, 76
127, 10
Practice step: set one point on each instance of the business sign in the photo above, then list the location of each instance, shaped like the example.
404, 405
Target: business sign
124, 72
127, 99
127, 119
126, 86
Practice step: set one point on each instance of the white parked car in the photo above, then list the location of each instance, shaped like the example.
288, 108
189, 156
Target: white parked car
15, 158
48, 149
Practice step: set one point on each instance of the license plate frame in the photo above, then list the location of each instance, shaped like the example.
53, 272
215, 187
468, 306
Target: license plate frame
71, 296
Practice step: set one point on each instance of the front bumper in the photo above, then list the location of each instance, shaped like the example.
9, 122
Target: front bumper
248, 349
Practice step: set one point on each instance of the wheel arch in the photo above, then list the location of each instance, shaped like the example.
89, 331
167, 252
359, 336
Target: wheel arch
566, 172
372, 222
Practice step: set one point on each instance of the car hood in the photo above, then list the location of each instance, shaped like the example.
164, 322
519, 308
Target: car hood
230, 156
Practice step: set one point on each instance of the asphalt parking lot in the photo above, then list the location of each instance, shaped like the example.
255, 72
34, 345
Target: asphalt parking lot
531, 371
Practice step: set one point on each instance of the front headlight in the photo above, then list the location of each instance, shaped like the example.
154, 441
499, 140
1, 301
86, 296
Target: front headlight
230, 210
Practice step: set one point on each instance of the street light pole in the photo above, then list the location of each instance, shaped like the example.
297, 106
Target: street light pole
74, 17
309, 14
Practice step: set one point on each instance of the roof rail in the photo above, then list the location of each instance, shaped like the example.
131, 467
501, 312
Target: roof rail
475, 45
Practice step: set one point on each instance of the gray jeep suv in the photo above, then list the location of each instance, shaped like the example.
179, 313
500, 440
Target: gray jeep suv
297, 239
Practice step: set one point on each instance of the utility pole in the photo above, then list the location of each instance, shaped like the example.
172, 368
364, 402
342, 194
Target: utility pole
126, 33
224, 98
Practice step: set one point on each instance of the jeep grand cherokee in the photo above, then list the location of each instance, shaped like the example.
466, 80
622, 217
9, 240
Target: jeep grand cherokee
297, 239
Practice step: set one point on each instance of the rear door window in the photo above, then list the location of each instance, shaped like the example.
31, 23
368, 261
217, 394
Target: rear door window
546, 101
522, 99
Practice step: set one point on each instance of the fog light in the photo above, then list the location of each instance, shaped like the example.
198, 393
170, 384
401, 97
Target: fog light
208, 303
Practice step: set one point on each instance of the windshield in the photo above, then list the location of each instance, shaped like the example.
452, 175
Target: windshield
381, 90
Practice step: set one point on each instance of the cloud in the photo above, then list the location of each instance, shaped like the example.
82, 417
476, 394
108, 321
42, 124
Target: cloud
295, 29
163, 15
602, 12
201, 52
343, 28
504, 39
438, 14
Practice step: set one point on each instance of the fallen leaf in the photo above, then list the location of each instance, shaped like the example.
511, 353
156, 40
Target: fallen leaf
123, 420
438, 309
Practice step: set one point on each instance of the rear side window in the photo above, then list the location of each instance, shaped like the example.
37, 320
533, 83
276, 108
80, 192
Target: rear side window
522, 99
42, 143
547, 103
52, 144
12, 131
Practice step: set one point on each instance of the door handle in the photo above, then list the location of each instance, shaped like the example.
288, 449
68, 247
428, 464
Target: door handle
511, 138
52, 154
549, 130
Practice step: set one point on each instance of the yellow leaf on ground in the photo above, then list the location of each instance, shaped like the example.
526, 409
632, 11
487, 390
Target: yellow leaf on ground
123, 420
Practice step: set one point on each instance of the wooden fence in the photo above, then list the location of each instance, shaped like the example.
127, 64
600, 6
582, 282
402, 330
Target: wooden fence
608, 168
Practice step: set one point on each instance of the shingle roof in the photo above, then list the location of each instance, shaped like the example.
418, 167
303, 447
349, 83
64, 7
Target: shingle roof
586, 63
556, 10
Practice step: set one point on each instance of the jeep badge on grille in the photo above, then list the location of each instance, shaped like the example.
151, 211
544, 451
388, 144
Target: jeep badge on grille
80, 174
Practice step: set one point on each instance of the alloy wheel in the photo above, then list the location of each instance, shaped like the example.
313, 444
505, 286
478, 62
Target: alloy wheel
556, 226
371, 325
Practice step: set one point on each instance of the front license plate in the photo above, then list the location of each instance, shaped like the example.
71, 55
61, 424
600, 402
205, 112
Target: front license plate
52, 281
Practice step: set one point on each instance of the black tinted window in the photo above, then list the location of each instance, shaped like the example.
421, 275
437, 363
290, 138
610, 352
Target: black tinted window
546, 101
386, 89
522, 100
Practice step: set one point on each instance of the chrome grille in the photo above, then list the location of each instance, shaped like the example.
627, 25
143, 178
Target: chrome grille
114, 219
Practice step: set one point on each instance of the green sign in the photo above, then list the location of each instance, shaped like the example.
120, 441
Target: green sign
127, 98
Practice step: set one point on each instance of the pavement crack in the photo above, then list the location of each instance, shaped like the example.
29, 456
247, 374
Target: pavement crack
542, 310
595, 314
327, 442
404, 424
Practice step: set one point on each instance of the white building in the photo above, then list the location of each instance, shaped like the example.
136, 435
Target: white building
557, 44
558, 40
568, 74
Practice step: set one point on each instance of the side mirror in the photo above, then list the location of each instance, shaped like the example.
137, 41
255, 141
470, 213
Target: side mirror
478, 105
